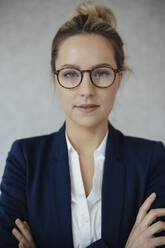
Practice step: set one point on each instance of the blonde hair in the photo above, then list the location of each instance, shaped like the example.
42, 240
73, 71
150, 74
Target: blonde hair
88, 18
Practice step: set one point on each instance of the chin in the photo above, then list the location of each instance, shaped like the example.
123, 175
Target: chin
88, 122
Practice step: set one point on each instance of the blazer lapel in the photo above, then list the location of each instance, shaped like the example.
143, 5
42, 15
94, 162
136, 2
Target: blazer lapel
112, 188
61, 190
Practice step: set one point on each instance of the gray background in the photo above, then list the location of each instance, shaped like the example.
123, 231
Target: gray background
29, 104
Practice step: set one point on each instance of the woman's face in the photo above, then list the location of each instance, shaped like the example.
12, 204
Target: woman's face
86, 51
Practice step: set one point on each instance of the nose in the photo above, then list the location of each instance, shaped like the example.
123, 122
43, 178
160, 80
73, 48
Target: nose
86, 85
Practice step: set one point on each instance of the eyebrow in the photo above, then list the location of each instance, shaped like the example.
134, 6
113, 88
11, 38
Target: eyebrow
76, 66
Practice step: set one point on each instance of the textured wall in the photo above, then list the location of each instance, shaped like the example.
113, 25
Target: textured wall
29, 105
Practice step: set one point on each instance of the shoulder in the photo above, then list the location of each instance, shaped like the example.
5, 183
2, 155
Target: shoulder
141, 143
36, 139
133, 142
33, 143
142, 151
133, 148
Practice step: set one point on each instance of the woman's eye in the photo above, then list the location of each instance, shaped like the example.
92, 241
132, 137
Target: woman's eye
70, 74
101, 74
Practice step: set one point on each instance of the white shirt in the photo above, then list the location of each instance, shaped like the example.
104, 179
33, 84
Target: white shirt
86, 212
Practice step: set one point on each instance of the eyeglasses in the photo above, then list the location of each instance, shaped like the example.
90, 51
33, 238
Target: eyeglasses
101, 77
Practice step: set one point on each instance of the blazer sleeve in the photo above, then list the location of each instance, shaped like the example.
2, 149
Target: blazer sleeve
12, 197
156, 181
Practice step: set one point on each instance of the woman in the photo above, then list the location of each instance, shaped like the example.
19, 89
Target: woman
87, 185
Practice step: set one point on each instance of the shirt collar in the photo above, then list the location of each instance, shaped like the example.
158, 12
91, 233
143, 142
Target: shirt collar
99, 151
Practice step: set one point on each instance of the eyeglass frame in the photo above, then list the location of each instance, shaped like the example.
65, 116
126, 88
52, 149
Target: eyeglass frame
56, 72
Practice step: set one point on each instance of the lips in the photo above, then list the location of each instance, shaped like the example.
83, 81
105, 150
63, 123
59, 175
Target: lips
87, 106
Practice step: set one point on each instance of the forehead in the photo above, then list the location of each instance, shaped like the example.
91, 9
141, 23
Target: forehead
85, 50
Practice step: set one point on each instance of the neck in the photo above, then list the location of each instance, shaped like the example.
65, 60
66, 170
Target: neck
85, 140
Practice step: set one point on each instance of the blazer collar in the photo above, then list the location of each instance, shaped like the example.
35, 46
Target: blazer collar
114, 135
112, 186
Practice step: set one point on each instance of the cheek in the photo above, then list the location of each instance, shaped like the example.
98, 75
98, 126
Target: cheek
66, 100
108, 97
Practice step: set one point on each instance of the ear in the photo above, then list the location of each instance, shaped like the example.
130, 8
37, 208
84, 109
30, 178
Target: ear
119, 79
54, 76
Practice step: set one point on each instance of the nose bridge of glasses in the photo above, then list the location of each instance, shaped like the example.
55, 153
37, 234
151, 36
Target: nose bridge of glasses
88, 72
83, 71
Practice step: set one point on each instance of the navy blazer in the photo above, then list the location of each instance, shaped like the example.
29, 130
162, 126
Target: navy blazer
36, 187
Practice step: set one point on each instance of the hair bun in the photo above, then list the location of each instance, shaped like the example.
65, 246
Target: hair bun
100, 13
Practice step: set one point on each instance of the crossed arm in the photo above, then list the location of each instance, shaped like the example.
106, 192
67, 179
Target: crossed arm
141, 236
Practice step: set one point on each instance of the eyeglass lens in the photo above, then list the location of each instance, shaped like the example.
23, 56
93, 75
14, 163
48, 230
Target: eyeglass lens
102, 77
